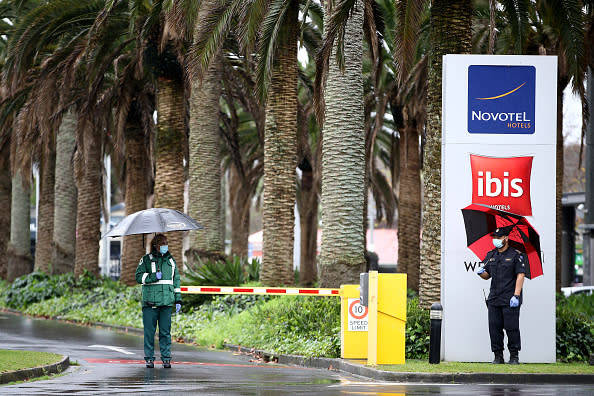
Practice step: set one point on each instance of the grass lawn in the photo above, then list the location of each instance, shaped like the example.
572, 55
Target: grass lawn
458, 367
11, 360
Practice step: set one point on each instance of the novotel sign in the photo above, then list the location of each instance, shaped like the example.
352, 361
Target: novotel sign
498, 149
501, 99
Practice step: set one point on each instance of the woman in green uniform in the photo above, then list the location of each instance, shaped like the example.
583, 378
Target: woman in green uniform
160, 291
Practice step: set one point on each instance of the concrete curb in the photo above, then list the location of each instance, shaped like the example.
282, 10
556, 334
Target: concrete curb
391, 376
29, 373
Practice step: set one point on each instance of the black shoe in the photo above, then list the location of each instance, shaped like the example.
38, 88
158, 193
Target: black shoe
498, 358
150, 364
513, 358
166, 364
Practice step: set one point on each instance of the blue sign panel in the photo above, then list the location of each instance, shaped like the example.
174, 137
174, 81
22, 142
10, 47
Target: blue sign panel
501, 99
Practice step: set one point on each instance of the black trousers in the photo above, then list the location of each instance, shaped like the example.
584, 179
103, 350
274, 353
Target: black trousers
500, 318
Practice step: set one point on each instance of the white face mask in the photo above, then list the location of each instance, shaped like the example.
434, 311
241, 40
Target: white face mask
498, 243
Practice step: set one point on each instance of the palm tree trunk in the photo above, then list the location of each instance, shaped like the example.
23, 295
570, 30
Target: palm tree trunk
65, 198
308, 219
20, 261
5, 203
450, 34
280, 160
136, 191
409, 207
205, 166
45, 221
88, 173
343, 164
240, 202
169, 156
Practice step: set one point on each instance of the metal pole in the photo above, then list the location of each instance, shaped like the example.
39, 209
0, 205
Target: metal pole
589, 160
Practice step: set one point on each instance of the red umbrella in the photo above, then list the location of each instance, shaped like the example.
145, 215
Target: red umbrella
480, 221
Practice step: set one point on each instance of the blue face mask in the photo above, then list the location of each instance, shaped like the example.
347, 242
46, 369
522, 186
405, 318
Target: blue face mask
498, 243
163, 249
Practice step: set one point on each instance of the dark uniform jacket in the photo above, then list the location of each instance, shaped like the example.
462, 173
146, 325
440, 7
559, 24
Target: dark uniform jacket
504, 269
155, 292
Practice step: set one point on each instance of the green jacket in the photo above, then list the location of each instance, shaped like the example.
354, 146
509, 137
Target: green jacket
164, 292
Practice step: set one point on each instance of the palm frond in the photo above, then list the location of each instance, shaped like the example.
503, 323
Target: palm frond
333, 40
211, 30
409, 16
570, 22
274, 25
518, 12
251, 15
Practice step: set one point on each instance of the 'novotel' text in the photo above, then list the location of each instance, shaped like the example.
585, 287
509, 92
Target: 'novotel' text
487, 116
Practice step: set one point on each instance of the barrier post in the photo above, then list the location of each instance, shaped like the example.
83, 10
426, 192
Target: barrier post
387, 318
353, 324
373, 325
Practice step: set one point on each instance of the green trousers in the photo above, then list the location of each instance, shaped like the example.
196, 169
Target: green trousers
150, 317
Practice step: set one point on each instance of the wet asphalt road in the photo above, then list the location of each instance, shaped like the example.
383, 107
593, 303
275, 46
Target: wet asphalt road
111, 363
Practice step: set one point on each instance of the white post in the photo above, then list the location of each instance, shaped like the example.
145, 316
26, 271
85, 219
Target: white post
371, 221
36, 176
107, 215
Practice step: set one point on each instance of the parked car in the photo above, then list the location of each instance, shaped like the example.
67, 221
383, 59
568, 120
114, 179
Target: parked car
568, 291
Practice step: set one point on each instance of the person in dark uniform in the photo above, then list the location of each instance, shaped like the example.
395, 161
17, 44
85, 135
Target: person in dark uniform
505, 267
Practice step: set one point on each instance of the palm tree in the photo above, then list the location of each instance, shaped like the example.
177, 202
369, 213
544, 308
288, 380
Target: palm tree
344, 147
205, 155
5, 202
408, 104
450, 34
65, 198
34, 46
137, 173
243, 119
273, 26
550, 28
19, 249
45, 219
280, 149
163, 53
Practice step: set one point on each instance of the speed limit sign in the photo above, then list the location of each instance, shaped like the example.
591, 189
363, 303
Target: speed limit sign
357, 315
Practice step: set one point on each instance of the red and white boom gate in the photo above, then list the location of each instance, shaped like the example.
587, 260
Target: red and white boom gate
362, 329
260, 290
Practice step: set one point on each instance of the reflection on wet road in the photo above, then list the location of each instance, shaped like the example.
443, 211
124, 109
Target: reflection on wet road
111, 363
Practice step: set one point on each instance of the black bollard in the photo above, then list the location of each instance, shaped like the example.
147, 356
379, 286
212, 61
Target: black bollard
435, 335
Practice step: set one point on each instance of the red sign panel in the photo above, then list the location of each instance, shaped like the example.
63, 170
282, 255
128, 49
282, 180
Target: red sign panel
502, 183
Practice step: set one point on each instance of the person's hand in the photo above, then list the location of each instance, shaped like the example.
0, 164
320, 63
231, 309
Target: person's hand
177, 307
159, 275
514, 302
480, 271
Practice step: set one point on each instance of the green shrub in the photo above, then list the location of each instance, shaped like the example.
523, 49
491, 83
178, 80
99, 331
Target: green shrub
418, 326
232, 304
575, 335
232, 272
580, 303
38, 286
119, 306
308, 326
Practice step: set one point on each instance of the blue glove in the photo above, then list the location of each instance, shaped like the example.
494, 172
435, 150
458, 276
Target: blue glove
159, 275
514, 302
177, 307
480, 271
